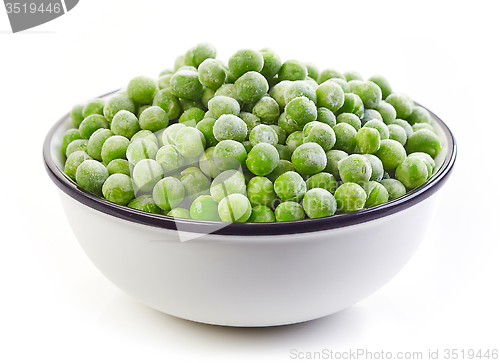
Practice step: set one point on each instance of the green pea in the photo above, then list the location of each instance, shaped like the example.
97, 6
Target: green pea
289, 211
401, 104
91, 124
287, 123
412, 172
351, 75
405, 125
384, 85
229, 154
164, 80
261, 214
300, 89
192, 116
355, 168
377, 167
292, 70
206, 96
195, 183
235, 208
204, 208
267, 109
419, 115
281, 133
190, 142
350, 197
113, 148
302, 110
206, 126
290, 186
369, 92
421, 126
345, 135
251, 87
73, 162
141, 109
118, 188
397, 133
263, 133
272, 63
153, 118
329, 73
387, 112
208, 163
283, 167
262, 159
391, 153
320, 133
376, 194
394, 187
229, 90
96, 142
168, 102
312, 70
326, 116
169, 158
186, 84
141, 149
223, 105
168, 193
77, 145
91, 175
322, 180
368, 140
125, 123
179, 213
352, 104
146, 174
142, 89
332, 160
94, 107
278, 93
196, 55
226, 183
119, 166
230, 127
330, 95
68, 137
76, 114
260, 191
423, 141
380, 127
145, 134
250, 120
144, 203
319, 203
244, 61
309, 158
427, 159
117, 103
369, 115
351, 119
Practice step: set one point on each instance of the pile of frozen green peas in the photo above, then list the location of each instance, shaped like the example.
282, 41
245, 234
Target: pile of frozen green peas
253, 140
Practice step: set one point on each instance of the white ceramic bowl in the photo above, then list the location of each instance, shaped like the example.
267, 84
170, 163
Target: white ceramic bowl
249, 274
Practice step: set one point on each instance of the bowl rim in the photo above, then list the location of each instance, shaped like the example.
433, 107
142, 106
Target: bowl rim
250, 229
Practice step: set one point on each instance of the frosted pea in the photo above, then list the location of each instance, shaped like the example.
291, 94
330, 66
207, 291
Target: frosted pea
332, 160
76, 114
351, 119
235, 208
387, 112
208, 164
263, 133
383, 83
290, 186
272, 63
96, 142
168, 193
223, 105
345, 137
261, 214
380, 127
419, 115
251, 87
427, 159
229, 154
405, 125
119, 166
115, 147
186, 84
262, 159
309, 158
326, 116
376, 194
394, 187
141, 149
168, 102
77, 145
287, 123
125, 123
350, 197
294, 140
146, 174
351, 75
94, 107
118, 188
423, 141
91, 175
195, 183
211, 73
369, 115
342, 83
320, 133
352, 104
229, 90
260, 191
179, 213
278, 93
368, 140
230, 127
300, 89
312, 70
330, 95
204, 208
267, 109
170, 133
144, 203
289, 211
250, 120
397, 133
401, 104
301, 110
73, 162
192, 116
292, 70
245, 60
190, 142
207, 95
68, 137
377, 167
421, 126
153, 118
329, 73
169, 158
142, 89
280, 132
226, 183
248, 145
196, 55
391, 153
322, 180
412, 172
355, 168
164, 81
206, 126
91, 124
145, 134
369, 92
319, 203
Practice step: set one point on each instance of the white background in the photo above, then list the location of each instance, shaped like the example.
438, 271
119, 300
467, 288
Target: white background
55, 306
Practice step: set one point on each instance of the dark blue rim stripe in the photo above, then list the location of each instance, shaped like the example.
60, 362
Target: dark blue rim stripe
251, 229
